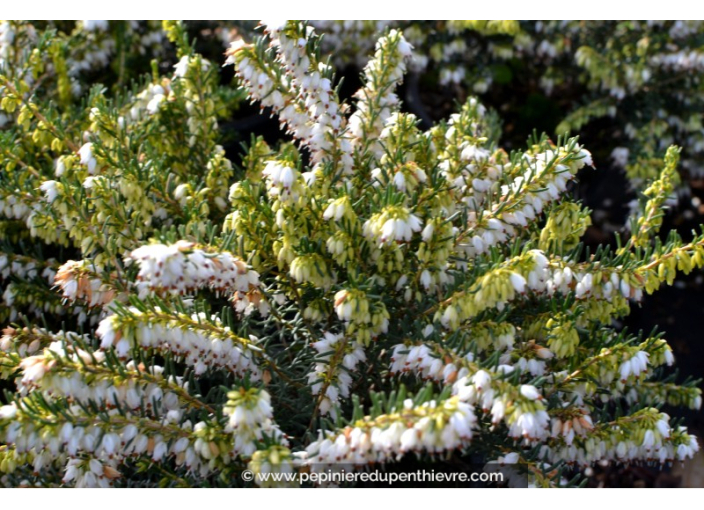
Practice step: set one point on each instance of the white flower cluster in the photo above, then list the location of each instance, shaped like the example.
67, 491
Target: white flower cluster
497, 289
527, 418
366, 318
567, 429
350, 40
436, 247
338, 209
303, 99
680, 61
401, 178
336, 358
50, 190
7, 36
90, 473
432, 427
47, 372
620, 156
635, 365
473, 171
78, 280
564, 279
14, 206
149, 101
524, 412
96, 46
654, 443
281, 180
110, 444
671, 66
394, 224
16, 41
419, 360
14, 295
17, 271
520, 407
376, 101
97, 53
25, 268
535, 366
199, 341
181, 67
272, 460
182, 267
548, 173
26, 342
250, 420
86, 158
65, 371
326, 122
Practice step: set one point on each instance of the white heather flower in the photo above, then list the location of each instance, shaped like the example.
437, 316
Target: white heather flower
543, 352
160, 450
634, 366
478, 244
426, 279
400, 181
518, 282
669, 357
625, 289
50, 190
273, 26
86, 153
449, 317
586, 157
397, 229
338, 380
530, 392
86, 157
404, 48
107, 332
309, 178
409, 440
155, 103
90, 182
474, 153
530, 425
482, 380
199, 349
181, 191
663, 428
337, 209
110, 443
279, 174
343, 307
250, 418
182, 66
401, 282
60, 167
648, 440
376, 444
509, 458
181, 267
8, 412
498, 411
427, 233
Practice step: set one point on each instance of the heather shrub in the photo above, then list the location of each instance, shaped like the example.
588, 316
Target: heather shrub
356, 294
